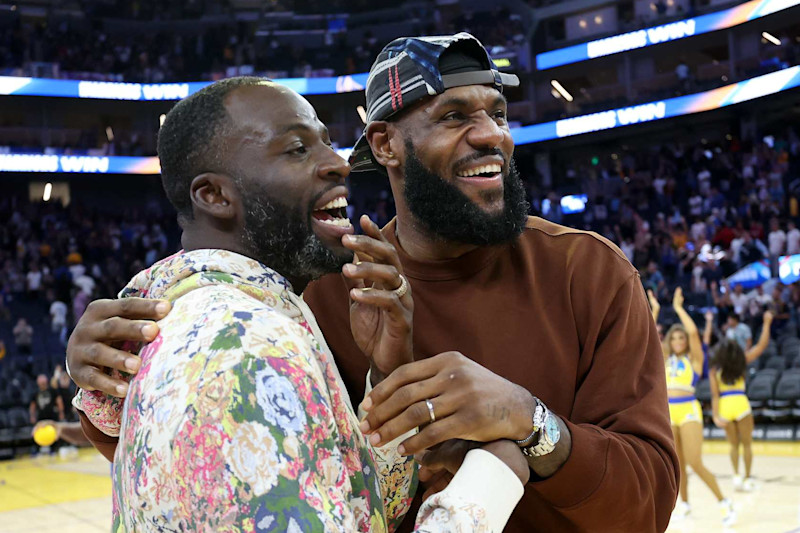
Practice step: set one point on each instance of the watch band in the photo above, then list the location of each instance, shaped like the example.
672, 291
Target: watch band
537, 422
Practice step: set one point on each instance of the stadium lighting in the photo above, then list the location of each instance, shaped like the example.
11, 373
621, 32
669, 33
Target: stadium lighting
362, 113
161, 120
109, 134
561, 90
598, 19
771, 38
48, 190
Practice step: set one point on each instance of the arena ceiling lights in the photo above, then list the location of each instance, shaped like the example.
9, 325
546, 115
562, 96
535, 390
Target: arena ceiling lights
661, 34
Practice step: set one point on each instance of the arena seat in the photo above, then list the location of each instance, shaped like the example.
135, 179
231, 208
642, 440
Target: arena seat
776, 362
761, 390
787, 395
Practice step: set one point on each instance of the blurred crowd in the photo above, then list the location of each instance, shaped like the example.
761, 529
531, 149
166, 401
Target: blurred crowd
226, 48
56, 259
693, 215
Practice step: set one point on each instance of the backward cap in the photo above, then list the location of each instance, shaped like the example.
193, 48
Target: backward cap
408, 70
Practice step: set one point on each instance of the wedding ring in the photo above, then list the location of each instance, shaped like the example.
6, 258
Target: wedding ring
430, 411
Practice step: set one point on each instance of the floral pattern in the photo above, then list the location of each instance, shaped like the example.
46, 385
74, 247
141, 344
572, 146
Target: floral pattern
238, 420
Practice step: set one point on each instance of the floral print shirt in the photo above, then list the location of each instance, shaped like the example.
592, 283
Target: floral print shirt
238, 419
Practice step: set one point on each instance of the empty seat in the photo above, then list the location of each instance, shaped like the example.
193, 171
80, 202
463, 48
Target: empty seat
18, 417
787, 394
762, 388
3, 420
776, 362
788, 341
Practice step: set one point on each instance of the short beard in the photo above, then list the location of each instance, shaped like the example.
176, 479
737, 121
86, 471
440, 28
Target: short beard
448, 214
281, 238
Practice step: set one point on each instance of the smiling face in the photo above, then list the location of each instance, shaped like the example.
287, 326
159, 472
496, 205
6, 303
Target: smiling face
291, 182
678, 342
458, 175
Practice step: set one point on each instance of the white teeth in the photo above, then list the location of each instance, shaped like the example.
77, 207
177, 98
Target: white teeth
336, 203
341, 222
494, 169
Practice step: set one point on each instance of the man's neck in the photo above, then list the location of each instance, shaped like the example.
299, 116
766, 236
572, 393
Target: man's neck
422, 245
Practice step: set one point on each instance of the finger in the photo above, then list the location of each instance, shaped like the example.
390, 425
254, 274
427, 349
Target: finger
381, 251
99, 355
413, 417
97, 380
440, 431
371, 229
387, 300
403, 398
448, 456
121, 329
130, 308
386, 276
408, 373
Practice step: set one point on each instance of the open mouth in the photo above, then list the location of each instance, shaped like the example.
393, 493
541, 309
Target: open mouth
333, 213
483, 171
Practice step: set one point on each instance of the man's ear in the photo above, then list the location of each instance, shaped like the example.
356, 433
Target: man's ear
381, 136
215, 194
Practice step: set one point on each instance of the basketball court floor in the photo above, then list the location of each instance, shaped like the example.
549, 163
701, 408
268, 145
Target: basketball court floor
48, 494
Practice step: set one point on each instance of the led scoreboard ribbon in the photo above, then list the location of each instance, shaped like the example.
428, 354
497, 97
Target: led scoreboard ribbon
661, 34
772, 83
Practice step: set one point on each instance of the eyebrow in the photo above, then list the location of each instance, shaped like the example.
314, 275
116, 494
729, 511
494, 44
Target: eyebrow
455, 101
298, 126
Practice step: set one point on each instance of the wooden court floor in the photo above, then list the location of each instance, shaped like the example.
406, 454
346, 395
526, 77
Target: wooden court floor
45, 495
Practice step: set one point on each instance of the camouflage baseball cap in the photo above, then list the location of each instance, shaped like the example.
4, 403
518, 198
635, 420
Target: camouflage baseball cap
409, 69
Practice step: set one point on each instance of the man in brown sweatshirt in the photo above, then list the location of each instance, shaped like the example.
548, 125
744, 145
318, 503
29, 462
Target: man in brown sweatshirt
559, 349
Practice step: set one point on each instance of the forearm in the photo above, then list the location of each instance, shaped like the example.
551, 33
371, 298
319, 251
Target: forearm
686, 320
605, 468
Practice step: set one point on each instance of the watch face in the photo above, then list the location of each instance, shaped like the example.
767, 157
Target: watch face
552, 429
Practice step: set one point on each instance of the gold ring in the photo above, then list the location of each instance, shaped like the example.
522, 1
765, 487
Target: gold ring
403, 288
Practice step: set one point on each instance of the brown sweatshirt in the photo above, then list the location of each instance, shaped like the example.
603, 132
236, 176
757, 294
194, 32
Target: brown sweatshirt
562, 313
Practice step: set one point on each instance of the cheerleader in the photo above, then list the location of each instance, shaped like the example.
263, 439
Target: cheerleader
683, 359
729, 402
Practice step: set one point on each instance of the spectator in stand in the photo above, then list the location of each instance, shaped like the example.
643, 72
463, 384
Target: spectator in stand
739, 332
792, 239
777, 244
654, 280
23, 336
34, 282
2, 349
46, 404
66, 391
780, 310
738, 298
58, 316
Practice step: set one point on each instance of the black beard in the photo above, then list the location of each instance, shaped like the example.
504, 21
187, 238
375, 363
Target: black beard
450, 215
282, 239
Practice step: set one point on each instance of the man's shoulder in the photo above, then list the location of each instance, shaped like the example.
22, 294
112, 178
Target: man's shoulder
228, 308
574, 245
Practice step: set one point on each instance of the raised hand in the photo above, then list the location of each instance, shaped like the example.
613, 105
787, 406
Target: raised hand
381, 307
677, 298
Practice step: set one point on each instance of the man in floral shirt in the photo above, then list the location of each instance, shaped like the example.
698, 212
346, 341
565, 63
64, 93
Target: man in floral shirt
237, 419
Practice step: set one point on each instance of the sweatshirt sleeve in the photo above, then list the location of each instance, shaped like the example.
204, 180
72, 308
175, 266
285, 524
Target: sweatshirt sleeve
622, 447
